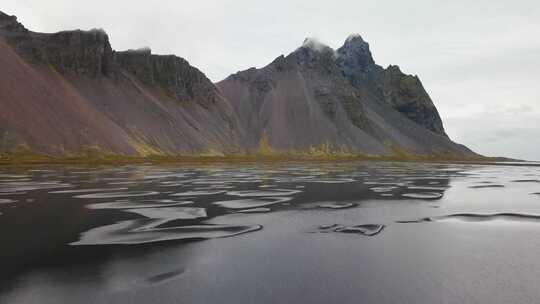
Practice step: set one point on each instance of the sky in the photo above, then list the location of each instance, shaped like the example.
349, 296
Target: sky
479, 60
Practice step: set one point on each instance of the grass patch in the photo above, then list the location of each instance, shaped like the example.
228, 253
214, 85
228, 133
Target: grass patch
94, 155
117, 159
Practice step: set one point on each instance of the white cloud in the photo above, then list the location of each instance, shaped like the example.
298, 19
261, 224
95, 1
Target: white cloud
315, 44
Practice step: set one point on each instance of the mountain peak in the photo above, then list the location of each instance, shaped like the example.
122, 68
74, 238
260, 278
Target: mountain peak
354, 38
314, 54
355, 56
356, 44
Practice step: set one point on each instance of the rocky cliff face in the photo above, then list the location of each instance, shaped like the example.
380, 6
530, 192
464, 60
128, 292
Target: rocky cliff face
70, 92
173, 74
80, 52
403, 92
407, 95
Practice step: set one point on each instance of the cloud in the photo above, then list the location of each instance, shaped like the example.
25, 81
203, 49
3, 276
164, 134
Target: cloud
315, 44
144, 50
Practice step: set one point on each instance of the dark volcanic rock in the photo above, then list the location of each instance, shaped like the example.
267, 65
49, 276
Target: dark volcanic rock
82, 52
403, 92
407, 95
356, 61
317, 62
174, 74
10, 24
18, 37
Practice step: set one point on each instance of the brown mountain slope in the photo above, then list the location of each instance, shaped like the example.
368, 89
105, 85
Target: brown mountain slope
41, 109
68, 92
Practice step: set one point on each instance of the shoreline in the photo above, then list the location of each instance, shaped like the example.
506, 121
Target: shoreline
24, 160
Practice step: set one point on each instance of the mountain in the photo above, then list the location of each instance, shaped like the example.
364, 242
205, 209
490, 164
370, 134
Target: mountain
70, 93
338, 100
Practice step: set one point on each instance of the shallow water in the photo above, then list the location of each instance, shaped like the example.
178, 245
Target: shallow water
347, 232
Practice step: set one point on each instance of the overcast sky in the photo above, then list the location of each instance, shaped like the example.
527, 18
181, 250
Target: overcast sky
479, 61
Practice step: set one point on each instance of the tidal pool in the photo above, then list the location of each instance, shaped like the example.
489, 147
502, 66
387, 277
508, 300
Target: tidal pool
343, 232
